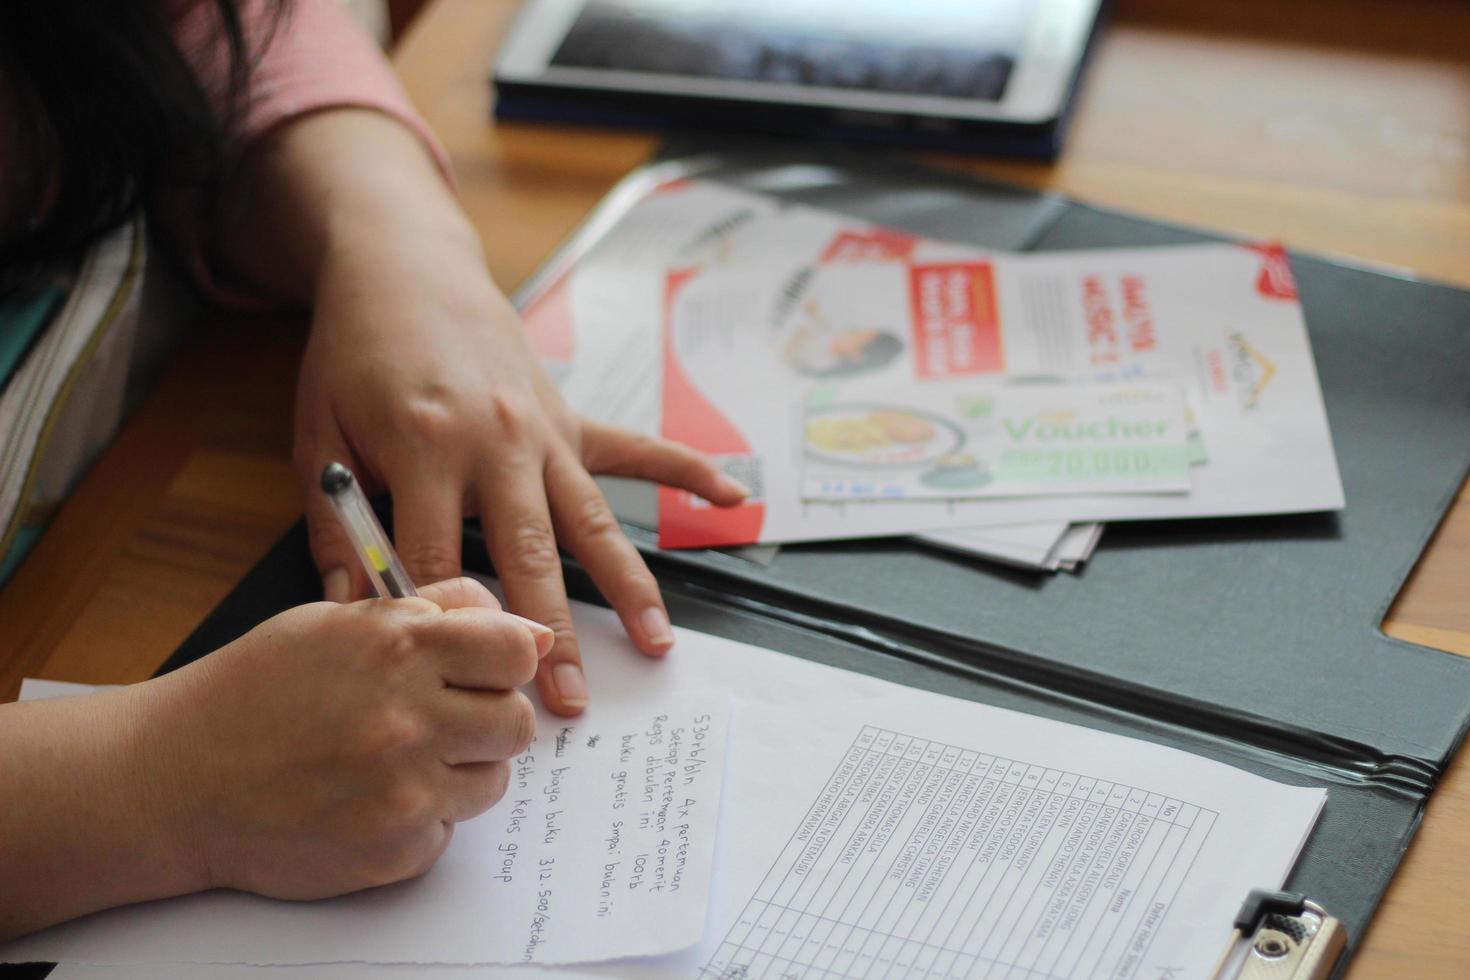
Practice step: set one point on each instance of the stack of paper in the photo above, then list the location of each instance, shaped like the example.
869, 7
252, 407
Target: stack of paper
865, 382
864, 829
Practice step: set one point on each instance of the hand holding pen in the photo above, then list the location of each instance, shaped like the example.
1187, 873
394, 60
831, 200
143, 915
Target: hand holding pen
331, 748
376, 552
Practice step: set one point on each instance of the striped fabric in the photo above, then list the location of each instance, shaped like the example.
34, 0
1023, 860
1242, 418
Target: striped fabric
79, 375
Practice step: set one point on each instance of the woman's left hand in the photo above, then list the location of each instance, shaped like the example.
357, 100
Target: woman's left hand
418, 377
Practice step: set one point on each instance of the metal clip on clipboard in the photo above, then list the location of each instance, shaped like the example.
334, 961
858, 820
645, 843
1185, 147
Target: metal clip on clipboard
1282, 936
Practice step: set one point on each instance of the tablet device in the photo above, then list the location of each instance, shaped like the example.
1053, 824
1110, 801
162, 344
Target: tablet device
991, 74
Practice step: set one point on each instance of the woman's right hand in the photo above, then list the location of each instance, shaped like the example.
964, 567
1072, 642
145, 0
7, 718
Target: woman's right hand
334, 747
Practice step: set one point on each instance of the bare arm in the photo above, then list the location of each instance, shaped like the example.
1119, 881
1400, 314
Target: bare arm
87, 821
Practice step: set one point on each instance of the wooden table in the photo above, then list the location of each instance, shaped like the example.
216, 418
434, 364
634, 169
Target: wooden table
1339, 126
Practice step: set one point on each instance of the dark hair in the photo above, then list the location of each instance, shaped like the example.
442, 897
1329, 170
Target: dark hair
99, 110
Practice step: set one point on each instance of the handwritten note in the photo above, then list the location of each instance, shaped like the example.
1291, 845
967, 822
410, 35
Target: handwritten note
601, 849
606, 835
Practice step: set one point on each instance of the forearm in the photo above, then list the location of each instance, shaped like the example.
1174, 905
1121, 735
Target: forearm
333, 184
88, 820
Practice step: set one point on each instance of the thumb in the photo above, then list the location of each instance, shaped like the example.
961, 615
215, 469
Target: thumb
615, 451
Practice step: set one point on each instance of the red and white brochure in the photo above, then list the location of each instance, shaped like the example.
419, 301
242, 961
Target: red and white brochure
741, 346
745, 302
594, 317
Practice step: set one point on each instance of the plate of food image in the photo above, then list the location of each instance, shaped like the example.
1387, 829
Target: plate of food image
879, 436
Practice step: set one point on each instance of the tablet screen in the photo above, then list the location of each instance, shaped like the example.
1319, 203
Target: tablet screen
965, 49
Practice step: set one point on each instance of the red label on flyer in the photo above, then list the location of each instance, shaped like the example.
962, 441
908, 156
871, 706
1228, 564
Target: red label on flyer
956, 329
684, 520
1102, 323
876, 245
675, 186
1275, 280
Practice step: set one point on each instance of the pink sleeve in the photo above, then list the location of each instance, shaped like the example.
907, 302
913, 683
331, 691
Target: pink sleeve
316, 57
319, 58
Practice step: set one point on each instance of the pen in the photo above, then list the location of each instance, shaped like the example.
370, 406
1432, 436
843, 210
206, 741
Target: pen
371, 542
368, 538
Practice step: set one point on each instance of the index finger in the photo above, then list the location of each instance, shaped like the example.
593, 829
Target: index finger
522, 545
481, 649
468, 593
589, 530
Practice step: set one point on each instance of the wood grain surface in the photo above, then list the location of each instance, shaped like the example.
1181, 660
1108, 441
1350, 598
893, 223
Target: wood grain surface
1338, 126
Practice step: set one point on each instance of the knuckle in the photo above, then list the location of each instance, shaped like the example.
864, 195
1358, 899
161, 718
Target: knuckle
522, 722
640, 444
566, 635
635, 584
420, 859
471, 590
431, 419
396, 644
594, 520
531, 550
431, 562
408, 859
488, 789
520, 654
497, 782
677, 457
409, 805
513, 414
390, 730
325, 535
687, 468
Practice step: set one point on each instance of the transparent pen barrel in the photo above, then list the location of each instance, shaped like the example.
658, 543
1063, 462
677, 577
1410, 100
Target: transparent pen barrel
371, 543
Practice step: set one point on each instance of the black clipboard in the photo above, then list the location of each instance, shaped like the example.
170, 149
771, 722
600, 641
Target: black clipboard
1274, 663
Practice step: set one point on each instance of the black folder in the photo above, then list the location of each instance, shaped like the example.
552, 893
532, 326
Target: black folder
1252, 641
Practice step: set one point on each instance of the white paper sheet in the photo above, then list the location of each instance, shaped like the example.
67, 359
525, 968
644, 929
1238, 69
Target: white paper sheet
814, 758
600, 849
35, 689
1021, 545
1078, 544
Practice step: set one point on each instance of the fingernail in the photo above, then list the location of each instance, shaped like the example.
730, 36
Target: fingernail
733, 486
570, 685
656, 628
337, 585
545, 635
532, 625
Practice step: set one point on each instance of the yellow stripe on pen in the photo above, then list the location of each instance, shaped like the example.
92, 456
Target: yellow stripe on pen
380, 564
